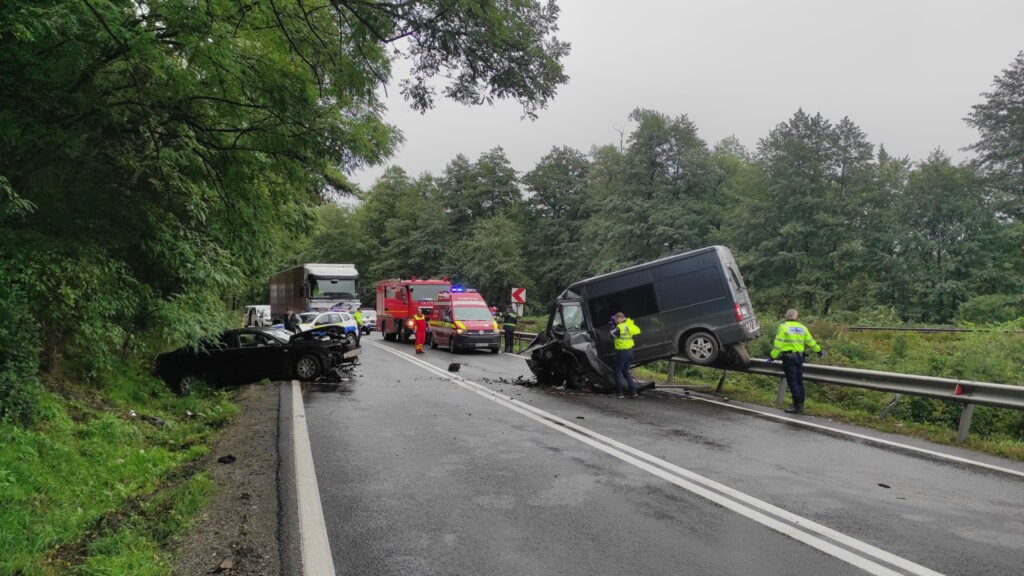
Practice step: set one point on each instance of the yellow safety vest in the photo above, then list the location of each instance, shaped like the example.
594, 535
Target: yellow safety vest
624, 339
793, 336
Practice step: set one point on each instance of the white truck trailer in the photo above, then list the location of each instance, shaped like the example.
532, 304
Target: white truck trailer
314, 287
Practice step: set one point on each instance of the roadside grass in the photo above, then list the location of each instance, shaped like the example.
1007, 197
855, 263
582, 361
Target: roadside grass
91, 490
981, 356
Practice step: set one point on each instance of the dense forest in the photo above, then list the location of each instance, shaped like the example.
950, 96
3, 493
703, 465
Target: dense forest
157, 158
818, 217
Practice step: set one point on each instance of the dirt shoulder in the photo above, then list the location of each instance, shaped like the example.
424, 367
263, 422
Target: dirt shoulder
237, 531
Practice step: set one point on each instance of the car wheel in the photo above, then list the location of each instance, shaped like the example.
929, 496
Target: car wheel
307, 367
495, 350
451, 344
187, 384
433, 343
700, 348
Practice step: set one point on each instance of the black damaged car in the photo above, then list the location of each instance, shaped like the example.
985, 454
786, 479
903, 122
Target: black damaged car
252, 354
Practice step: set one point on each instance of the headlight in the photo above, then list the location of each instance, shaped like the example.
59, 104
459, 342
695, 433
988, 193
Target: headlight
458, 330
410, 323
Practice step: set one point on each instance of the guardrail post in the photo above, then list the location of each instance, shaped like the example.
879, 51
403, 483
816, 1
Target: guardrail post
721, 381
780, 396
965, 422
671, 371
888, 407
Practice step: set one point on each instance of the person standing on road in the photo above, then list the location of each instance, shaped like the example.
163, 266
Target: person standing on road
421, 331
791, 339
622, 334
291, 320
510, 322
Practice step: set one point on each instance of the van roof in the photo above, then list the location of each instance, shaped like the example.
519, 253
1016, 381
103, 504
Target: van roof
574, 287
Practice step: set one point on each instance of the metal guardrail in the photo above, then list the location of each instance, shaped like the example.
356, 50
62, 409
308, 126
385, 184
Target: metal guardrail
967, 392
523, 339
923, 330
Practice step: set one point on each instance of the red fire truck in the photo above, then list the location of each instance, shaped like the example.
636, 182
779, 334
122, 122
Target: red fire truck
462, 320
399, 300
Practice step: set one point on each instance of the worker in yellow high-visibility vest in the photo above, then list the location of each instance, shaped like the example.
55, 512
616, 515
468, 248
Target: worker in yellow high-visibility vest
791, 339
622, 335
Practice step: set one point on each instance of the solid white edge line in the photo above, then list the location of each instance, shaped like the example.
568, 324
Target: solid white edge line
662, 470
313, 544
942, 455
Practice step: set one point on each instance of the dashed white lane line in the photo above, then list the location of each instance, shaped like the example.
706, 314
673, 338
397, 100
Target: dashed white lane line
846, 548
313, 544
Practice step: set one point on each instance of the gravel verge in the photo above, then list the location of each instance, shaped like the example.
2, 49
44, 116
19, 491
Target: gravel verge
237, 532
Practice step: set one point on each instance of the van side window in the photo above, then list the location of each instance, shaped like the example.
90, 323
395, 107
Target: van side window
699, 286
634, 302
735, 279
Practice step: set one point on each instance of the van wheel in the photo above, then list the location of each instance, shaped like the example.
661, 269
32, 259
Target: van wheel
433, 344
573, 379
307, 368
700, 348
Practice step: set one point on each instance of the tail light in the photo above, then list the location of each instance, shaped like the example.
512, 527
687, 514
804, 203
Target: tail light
741, 311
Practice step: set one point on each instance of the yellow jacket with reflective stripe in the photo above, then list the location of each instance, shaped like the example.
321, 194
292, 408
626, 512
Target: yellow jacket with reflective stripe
793, 336
624, 333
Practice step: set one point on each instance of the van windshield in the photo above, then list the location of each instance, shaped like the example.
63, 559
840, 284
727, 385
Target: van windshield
569, 317
475, 313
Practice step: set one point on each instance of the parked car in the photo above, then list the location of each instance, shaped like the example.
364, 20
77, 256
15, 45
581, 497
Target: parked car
369, 320
692, 304
252, 354
319, 320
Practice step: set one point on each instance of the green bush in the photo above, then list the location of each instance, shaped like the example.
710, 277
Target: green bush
19, 360
995, 308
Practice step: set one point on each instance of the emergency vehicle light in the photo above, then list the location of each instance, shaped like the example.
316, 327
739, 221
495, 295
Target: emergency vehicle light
456, 289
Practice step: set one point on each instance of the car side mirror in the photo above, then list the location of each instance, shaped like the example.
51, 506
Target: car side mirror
558, 330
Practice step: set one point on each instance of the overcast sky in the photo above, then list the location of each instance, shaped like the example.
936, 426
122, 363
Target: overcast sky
905, 71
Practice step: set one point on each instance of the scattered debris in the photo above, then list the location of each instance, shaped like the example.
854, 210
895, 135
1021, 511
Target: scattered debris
580, 418
454, 367
132, 414
886, 486
154, 420
226, 459
189, 414
225, 566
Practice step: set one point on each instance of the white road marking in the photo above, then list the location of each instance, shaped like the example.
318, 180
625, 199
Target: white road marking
720, 494
852, 434
313, 544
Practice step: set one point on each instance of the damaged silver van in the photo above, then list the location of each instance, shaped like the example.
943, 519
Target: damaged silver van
692, 304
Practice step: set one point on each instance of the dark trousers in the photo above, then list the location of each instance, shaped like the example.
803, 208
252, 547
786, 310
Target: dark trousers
793, 367
510, 337
623, 358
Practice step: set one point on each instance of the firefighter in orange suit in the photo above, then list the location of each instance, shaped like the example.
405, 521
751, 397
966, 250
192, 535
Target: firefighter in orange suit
421, 331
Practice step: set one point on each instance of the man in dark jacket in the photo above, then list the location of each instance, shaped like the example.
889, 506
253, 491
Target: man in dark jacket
509, 323
291, 320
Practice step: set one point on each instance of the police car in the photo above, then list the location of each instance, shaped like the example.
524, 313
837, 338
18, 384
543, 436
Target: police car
312, 320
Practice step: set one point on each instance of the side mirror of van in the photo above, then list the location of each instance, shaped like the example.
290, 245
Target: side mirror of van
558, 330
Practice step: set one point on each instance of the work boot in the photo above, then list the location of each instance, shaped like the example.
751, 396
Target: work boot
796, 409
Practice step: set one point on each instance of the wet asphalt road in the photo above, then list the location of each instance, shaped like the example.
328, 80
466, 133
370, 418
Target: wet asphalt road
422, 475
